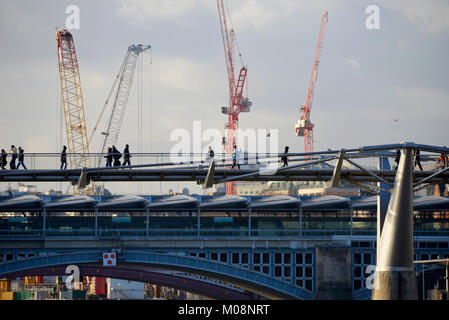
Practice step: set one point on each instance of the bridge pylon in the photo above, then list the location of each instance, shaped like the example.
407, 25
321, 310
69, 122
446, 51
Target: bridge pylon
395, 277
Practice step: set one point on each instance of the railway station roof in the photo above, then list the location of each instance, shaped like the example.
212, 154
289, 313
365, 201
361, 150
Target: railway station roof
276, 202
122, 202
73, 203
24, 203
174, 202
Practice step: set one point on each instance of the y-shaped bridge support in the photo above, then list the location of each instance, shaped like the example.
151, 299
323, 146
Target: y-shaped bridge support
395, 276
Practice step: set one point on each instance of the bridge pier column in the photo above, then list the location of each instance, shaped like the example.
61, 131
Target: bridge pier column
249, 222
147, 227
351, 214
395, 277
198, 212
96, 223
44, 222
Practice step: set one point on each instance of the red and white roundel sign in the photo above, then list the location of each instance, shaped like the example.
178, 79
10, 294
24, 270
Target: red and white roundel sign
109, 259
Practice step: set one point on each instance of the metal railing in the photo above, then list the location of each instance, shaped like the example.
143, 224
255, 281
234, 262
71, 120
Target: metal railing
203, 233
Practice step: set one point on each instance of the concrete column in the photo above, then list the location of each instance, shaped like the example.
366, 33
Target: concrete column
447, 277
44, 222
351, 213
395, 274
96, 223
147, 231
198, 212
333, 273
249, 222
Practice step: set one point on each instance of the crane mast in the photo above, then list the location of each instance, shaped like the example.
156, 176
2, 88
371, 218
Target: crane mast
304, 126
237, 103
124, 79
72, 101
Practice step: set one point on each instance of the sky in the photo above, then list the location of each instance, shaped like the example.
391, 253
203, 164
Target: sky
367, 78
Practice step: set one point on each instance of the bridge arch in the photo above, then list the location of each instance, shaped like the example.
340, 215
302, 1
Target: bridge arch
134, 273
261, 284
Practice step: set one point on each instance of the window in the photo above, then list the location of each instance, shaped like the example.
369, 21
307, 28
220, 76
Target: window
266, 258
308, 258
367, 258
308, 272
223, 257
277, 258
287, 271
256, 258
277, 271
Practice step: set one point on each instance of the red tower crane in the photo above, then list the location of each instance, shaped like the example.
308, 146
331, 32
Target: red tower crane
237, 103
304, 127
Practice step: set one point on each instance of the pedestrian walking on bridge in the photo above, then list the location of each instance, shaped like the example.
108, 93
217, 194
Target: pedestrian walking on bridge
116, 155
418, 159
21, 158
127, 156
109, 158
13, 153
3, 160
64, 158
284, 158
235, 158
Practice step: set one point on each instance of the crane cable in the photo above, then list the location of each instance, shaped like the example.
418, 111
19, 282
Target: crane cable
233, 33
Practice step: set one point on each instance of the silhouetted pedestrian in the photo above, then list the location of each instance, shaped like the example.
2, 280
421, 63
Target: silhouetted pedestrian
284, 158
109, 158
126, 156
13, 153
210, 155
3, 160
21, 158
116, 155
418, 159
398, 158
64, 157
234, 158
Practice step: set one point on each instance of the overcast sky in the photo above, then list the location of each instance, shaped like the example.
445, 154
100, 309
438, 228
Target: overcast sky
367, 78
